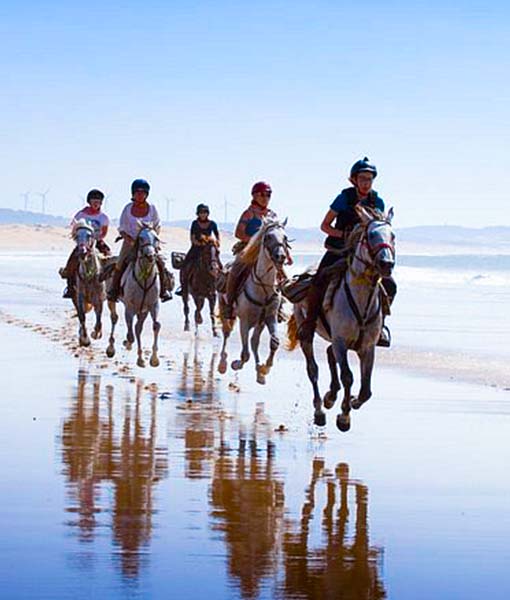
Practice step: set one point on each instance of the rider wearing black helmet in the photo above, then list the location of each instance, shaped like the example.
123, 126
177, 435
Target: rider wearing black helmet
337, 224
201, 227
136, 212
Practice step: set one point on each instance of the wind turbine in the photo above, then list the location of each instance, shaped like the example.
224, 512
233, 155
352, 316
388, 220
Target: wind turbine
25, 197
43, 200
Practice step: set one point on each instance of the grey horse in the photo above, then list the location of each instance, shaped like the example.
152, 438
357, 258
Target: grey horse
259, 298
352, 315
89, 289
140, 296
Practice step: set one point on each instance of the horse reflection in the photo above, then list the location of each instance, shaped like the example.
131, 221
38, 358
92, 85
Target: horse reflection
342, 565
247, 501
197, 388
95, 453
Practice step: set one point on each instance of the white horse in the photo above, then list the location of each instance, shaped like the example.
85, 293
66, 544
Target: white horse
140, 296
259, 298
351, 316
89, 289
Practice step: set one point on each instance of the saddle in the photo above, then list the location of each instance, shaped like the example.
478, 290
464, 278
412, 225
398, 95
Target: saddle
297, 287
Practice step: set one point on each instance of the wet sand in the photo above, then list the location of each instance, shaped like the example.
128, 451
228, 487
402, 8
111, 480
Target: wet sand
176, 481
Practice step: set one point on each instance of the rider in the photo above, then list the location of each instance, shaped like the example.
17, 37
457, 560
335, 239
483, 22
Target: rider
99, 222
138, 210
249, 223
338, 222
201, 226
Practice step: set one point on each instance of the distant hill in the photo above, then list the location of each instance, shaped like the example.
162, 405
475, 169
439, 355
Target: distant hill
422, 235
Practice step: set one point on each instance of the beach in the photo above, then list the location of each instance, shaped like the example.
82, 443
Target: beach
129, 482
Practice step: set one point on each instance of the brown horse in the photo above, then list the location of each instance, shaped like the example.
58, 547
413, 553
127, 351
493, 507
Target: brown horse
198, 278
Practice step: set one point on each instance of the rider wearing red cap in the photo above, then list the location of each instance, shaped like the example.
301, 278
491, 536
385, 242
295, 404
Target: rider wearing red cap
249, 223
99, 222
338, 223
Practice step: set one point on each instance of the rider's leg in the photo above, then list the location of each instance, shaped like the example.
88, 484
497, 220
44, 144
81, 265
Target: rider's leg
120, 267
191, 255
388, 294
69, 272
234, 279
164, 279
315, 295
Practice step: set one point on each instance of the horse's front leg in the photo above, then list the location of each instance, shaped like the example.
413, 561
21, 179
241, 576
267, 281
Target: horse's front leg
140, 320
199, 304
343, 420
245, 352
334, 386
255, 340
114, 317
130, 338
156, 327
80, 307
98, 309
212, 307
366, 359
185, 303
319, 417
274, 343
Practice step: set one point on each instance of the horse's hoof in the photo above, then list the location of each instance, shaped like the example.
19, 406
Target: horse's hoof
186, 327
222, 367
329, 399
261, 379
358, 402
93, 335
154, 361
237, 365
110, 352
140, 362
84, 342
319, 419
127, 345
343, 422
215, 334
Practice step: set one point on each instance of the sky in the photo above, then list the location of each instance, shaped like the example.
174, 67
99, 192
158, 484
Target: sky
202, 99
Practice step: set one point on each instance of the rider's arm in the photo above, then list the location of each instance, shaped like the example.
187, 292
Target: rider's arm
240, 231
216, 232
124, 224
156, 221
327, 227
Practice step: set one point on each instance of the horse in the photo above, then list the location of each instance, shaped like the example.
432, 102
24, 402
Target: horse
351, 316
89, 289
140, 295
199, 280
259, 297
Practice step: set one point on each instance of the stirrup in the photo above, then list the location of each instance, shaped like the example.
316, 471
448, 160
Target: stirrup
178, 291
68, 293
165, 296
384, 340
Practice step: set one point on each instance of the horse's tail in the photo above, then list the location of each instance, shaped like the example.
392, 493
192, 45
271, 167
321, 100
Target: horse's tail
292, 334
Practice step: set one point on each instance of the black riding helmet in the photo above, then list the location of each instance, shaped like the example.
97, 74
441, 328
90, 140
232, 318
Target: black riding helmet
95, 195
202, 208
363, 166
140, 184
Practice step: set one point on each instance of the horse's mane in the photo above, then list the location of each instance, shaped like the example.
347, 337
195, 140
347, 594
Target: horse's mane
250, 254
360, 228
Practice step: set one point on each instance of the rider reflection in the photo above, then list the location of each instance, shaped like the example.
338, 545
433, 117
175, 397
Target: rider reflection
95, 453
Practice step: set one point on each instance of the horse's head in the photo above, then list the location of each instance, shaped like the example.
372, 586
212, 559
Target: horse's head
275, 242
378, 243
146, 242
83, 234
210, 255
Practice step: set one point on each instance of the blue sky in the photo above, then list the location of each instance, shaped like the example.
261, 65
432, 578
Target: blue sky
203, 99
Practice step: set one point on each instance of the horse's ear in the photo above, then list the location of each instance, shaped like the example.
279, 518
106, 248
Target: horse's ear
389, 216
363, 214
284, 224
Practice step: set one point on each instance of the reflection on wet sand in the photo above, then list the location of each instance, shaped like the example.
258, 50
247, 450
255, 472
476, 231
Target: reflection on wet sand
339, 565
95, 453
247, 501
197, 388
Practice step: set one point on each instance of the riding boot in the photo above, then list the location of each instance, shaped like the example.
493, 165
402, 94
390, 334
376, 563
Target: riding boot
384, 340
314, 303
165, 279
114, 291
70, 289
